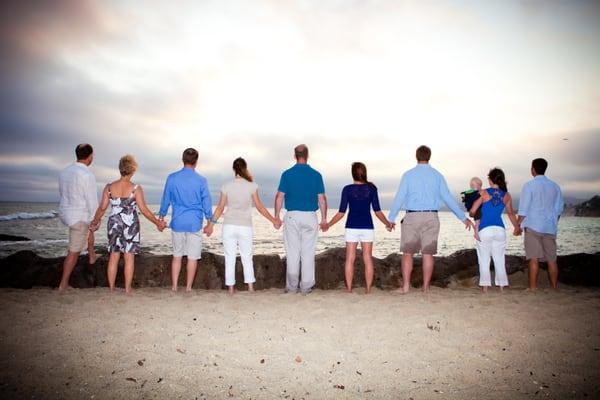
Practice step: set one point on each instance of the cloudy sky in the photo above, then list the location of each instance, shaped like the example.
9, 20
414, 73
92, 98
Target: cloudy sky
483, 83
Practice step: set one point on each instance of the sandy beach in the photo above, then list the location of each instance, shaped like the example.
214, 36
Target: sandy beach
452, 343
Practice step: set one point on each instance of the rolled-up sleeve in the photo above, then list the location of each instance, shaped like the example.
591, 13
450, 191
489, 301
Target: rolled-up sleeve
560, 203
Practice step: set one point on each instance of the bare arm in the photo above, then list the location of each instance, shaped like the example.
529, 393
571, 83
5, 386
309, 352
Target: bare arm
141, 202
475, 206
260, 207
278, 203
511, 212
94, 225
381, 216
220, 207
336, 218
323, 207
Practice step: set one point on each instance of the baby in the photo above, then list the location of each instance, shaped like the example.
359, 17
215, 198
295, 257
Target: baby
469, 197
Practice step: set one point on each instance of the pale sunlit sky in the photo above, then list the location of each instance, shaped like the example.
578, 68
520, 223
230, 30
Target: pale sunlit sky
483, 83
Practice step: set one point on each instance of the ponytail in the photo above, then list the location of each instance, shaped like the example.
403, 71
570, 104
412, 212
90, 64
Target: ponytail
241, 169
497, 177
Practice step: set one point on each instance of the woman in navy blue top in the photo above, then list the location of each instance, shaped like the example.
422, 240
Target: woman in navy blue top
360, 197
492, 235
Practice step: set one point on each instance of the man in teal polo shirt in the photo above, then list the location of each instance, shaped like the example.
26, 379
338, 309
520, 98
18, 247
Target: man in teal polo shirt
302, 188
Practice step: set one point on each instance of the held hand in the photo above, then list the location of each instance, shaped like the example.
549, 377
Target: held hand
94, 225
517, 231
324, 226
208, 230
161, 225
468, 224
277, 223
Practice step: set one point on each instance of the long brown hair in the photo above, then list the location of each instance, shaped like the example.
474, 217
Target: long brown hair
359, 173
496, 175
241, 169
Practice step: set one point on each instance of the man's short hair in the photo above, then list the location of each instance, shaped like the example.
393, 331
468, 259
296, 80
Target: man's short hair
83, 151
539, 165
301, 152
423, 153
190, 156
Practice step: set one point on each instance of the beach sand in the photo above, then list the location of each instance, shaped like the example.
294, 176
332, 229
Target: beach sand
452, 344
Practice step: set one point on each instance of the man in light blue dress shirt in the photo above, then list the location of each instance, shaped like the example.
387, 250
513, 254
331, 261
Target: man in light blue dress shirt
421, 193
186, 192
540, 206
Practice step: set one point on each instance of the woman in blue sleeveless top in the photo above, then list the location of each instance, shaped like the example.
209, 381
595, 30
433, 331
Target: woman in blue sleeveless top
360, 196
492, 235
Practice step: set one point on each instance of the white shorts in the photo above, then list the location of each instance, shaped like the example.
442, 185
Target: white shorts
187, 244
359, 235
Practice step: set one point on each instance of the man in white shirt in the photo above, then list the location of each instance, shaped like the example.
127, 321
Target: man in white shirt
78, 203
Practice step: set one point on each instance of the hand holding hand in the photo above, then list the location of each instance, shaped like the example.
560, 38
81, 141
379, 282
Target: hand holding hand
390, 226
277, 223
518, 231
468, 224
94, 225
324, 226
161, 225
208, 230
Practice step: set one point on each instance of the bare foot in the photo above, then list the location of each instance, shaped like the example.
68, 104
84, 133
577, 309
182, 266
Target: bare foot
231, 290
402, 290
501, 289
348, 290
188, 290
174, 288
484, 289
531, 290
251, 287
93, 258
367, 291
64, 289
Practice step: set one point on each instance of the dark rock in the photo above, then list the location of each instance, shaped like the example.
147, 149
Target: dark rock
590, 208
12, 238
25, 269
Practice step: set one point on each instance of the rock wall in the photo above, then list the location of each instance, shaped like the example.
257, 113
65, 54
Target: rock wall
26, 269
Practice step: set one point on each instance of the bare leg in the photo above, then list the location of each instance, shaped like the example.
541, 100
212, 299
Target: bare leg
427, 271
349, 266
175, 269
129, 268
251, 287
407, 267
68, 265
367, 252
113, 265
92, 256
553, 274
534, 269
231, 290
192, 265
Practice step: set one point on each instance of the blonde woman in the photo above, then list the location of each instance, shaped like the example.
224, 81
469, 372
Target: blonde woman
126, 198
238, 196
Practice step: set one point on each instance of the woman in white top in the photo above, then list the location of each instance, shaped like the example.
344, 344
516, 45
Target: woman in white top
237, 195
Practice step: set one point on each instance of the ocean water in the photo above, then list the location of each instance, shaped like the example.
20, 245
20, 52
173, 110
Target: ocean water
39, 222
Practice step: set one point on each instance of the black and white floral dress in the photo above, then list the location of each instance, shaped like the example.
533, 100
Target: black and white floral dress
123, 224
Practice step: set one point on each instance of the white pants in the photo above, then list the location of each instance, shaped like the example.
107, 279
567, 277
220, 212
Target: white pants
492, 246
235, 236
300, 231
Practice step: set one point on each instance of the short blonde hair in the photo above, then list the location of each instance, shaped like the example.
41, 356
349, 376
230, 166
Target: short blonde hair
127, 165
477, 181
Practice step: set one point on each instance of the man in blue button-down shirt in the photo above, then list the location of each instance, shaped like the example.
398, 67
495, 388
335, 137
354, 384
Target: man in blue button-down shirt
421, 193
187, 193
540, 206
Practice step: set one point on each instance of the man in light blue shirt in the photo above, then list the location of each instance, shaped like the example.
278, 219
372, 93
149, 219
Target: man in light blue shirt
421, 193
186, 192
540, 206
304, 193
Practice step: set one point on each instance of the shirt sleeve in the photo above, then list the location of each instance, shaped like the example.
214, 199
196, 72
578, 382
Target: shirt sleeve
166, 198
450, 200
91, 195
375, 202
206, 201
398, 199
560, 203
344, 200
524, 201
282, 183
320, 185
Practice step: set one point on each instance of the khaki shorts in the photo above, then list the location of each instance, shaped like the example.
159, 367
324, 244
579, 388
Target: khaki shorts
78, 236
539, 245
187, 244
419, 233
